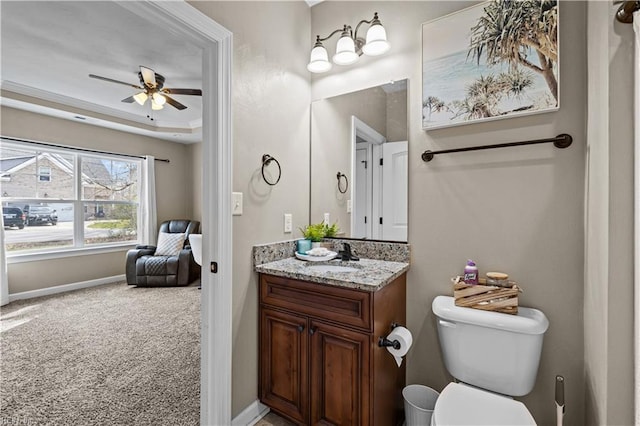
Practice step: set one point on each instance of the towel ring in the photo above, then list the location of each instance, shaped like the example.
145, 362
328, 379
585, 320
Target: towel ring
266, 160
346, 182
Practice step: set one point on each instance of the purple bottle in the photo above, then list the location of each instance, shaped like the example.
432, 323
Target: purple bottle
471, 273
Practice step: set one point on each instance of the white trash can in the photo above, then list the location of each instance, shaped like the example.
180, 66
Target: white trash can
419, 402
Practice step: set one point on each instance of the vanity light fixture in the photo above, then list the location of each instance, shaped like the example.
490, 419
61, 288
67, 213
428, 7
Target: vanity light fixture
349, 46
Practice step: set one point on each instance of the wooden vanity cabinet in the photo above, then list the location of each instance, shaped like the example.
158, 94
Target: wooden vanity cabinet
320, 362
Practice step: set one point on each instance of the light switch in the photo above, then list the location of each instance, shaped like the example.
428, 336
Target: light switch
327, 218
236, 202
288, 222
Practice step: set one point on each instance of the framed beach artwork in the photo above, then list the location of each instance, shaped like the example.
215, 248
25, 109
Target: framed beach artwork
498, 59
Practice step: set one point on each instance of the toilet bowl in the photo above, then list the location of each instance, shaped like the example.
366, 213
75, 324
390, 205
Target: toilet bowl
494, 356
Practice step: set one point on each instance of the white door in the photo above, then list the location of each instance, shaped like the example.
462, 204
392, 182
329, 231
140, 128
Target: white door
395, 190
360, 195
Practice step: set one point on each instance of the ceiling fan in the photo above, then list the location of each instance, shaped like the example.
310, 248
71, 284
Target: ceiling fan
152, 87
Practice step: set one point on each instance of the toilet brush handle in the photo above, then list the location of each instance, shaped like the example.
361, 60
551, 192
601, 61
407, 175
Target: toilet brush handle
559, 400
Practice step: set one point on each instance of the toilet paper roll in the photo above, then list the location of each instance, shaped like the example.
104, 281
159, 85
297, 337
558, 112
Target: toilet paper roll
404, 337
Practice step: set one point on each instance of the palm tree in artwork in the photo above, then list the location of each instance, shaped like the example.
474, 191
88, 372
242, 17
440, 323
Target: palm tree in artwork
433, 104
485, 93
509, 28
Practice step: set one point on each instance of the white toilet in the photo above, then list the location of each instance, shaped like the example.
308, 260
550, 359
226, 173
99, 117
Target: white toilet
494, 356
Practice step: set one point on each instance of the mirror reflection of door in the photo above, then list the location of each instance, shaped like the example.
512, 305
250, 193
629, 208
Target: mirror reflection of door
395, 191
380, 185
363, 135
361, 202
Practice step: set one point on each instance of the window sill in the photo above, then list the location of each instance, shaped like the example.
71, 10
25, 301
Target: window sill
74, 252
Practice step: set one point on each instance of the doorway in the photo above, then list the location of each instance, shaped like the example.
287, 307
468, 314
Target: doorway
216, 298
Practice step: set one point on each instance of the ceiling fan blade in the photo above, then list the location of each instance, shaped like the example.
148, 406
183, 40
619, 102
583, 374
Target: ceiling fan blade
115, 81
149, 76
174, 103
196, 92
129, 100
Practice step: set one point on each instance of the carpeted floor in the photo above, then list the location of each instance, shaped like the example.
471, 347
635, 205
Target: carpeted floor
107, 355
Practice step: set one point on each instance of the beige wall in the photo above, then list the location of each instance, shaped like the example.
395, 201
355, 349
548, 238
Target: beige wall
519, 210
270, 102
173, 200
608, 304
195, 167
397, 116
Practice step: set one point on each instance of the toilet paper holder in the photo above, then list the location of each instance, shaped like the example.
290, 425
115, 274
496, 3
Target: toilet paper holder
383, 342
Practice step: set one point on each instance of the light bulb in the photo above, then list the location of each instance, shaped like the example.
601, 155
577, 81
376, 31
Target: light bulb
377, 43
319, 60
158, 98
345, 51
140, 98
155, 106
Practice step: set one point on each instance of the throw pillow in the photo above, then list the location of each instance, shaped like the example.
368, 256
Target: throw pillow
169, 244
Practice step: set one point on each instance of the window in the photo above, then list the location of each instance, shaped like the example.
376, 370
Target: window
92, 202
44, 174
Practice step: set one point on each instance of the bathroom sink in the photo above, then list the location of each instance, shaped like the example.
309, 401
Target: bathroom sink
332, 268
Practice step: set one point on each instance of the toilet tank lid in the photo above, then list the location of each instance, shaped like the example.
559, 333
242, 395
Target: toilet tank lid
527, 321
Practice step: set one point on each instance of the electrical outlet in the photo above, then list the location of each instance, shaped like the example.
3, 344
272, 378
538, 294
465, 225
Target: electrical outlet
327, 218
288, 222
236, 203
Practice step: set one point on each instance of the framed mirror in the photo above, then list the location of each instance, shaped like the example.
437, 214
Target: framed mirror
359, 162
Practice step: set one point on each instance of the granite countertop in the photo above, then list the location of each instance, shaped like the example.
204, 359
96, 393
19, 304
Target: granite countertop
373, 274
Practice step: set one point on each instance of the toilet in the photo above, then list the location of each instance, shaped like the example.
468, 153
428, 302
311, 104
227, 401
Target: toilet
493, 357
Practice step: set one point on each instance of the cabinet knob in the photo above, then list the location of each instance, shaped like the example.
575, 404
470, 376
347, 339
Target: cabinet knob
312, 330
300, 328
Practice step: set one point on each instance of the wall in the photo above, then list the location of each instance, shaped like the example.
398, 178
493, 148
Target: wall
397, 116
270, 99
519, 210
173, 201
608, 304
195, 156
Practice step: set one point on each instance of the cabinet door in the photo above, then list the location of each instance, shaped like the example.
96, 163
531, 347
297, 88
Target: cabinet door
339, 375
284, 383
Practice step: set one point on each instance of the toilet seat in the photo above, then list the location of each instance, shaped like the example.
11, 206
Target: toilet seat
460, 404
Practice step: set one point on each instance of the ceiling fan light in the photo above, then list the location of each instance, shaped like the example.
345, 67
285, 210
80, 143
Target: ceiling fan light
159, 99
140, 98
156, 107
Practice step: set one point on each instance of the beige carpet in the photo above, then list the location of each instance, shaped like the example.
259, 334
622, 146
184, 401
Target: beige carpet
107, 355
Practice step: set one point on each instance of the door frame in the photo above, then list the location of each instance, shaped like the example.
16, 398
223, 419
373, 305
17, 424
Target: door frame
362, 129
216, 297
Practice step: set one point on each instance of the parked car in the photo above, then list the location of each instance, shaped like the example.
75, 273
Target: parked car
13, 216
40, 215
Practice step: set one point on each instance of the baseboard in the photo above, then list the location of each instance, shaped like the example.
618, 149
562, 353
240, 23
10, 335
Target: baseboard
65, 287
251, 415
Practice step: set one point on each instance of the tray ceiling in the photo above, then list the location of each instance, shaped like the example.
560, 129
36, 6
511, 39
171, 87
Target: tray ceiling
49, 48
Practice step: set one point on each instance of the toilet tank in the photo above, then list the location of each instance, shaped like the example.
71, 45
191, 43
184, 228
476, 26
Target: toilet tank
490, 350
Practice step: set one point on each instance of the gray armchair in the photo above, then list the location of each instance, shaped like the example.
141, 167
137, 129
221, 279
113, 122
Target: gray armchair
145, 268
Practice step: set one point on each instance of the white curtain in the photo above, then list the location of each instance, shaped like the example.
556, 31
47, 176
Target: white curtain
149, 219
4, 281
636, 28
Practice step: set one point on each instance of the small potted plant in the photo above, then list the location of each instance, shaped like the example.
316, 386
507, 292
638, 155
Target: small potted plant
317, 231
313, 232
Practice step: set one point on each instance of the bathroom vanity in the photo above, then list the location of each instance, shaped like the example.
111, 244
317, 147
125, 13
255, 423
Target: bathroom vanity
319, 357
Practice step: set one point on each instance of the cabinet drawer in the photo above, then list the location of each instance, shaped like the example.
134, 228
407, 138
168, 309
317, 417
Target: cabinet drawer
349, 307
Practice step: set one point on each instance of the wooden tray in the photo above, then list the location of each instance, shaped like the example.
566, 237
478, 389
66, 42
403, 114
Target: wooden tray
486, 297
